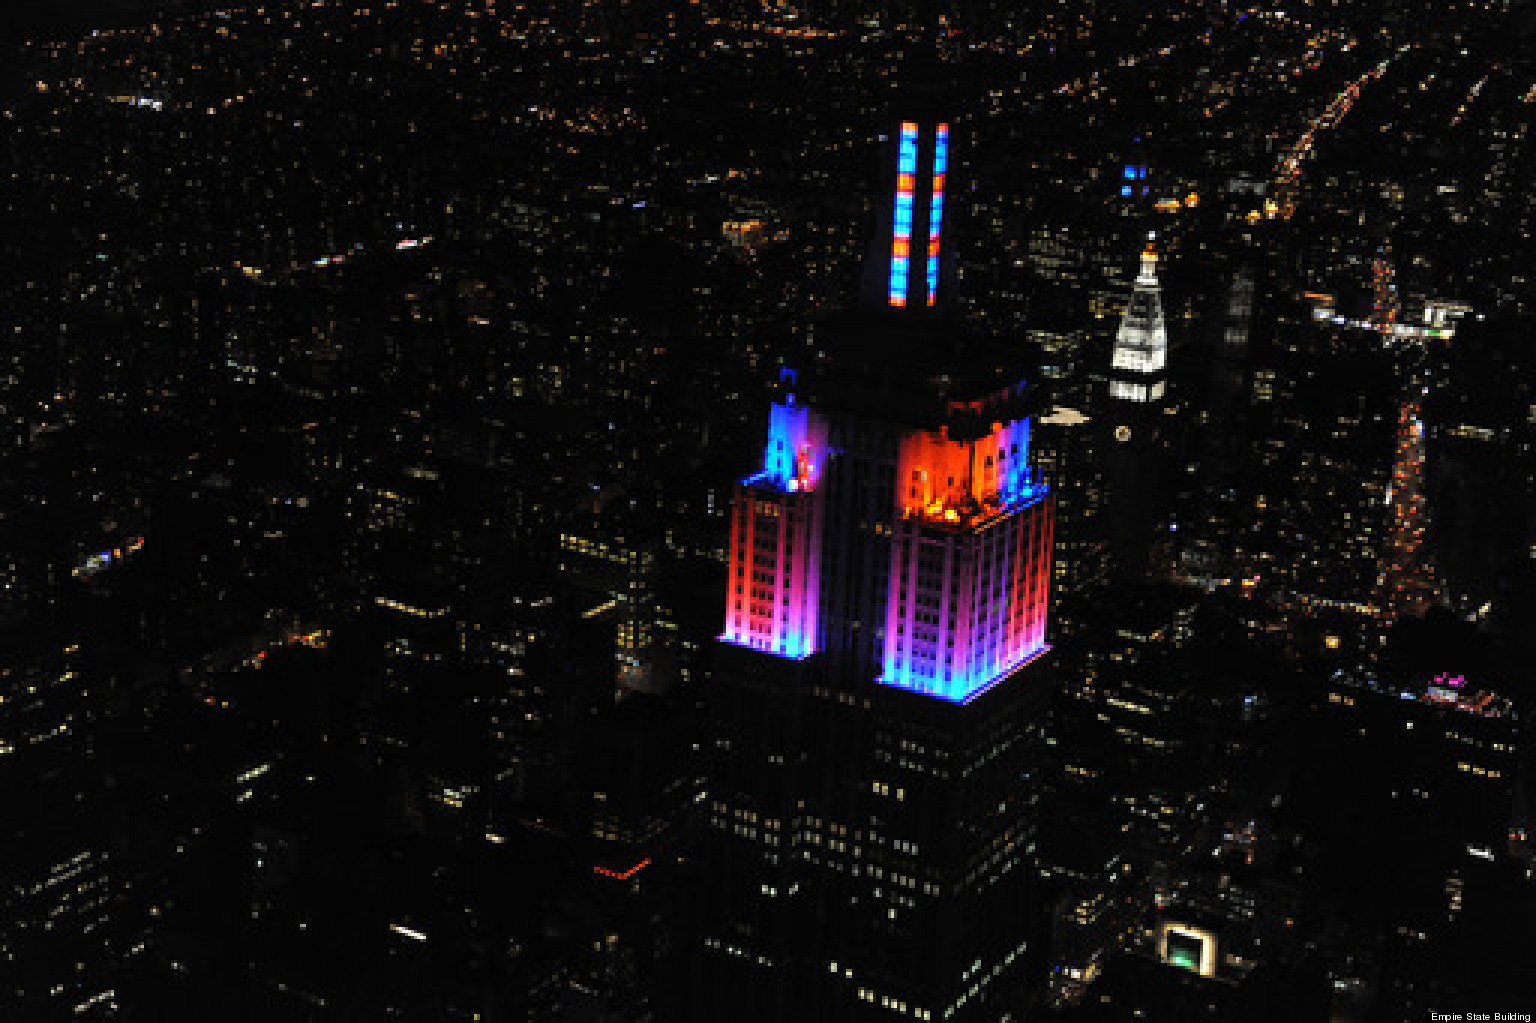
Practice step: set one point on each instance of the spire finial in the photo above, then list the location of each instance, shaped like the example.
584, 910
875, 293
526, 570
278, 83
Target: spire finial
1149, 258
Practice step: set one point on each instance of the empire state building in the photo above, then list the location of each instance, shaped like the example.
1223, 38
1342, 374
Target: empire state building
880, 675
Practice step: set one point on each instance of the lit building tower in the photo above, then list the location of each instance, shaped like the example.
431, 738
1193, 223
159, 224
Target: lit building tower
1138, 384
1139, 363
876, 688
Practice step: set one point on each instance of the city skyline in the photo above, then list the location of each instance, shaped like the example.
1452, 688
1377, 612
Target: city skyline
625, 511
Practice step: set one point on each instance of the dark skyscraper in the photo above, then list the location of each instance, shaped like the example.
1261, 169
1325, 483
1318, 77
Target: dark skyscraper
878, 680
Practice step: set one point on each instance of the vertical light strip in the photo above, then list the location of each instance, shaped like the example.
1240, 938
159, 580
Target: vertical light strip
936, 208
901, 244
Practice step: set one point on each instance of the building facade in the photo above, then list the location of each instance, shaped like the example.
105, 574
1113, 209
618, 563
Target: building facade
1134, 449
878, 683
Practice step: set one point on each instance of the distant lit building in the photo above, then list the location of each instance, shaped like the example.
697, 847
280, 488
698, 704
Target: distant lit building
1133, 413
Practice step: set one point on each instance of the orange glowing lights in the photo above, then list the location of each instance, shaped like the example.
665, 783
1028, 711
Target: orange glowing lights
623, 875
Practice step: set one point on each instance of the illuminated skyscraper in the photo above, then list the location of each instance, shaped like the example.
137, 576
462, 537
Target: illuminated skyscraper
1139, 363
1134, 410
776, 539
876, 690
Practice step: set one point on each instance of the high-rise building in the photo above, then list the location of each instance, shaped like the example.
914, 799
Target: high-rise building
878, 687
1068, 457
1138, 386
1429, 759
1210, 514
1140, 360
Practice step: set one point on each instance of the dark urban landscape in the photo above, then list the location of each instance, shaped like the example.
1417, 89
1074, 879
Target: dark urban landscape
736, 511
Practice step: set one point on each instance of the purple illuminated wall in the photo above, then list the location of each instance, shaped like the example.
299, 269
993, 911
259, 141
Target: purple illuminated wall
775, 553
967, 604
936, 209
970, 562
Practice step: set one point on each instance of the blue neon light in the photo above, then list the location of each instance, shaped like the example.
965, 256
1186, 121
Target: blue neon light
936, 209
899, 263
1019, 487
766, 478
906, 169
792, 647
796, 449
906, 156
935, 218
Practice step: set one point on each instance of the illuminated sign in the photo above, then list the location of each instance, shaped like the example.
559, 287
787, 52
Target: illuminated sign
1187, 947
1184, 951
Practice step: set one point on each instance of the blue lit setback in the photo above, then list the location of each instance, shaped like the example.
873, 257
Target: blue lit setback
796, 451
1018, 484
1020, 488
